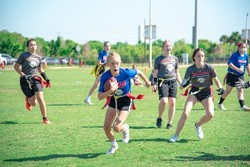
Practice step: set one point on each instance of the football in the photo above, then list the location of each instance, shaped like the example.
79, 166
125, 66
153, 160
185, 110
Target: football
109, 82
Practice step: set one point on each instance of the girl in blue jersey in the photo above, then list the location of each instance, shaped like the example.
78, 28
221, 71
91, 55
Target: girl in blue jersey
237, 65
99, 69
120, 103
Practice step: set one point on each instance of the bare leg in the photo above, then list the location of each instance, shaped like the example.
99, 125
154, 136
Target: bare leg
171, 109
191, 100
209, 108
41, 102
161, 106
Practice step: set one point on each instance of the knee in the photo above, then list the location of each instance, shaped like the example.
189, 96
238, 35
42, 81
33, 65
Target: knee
171, 104
185, 115
210, 115
33, 102
163, 103
116, 128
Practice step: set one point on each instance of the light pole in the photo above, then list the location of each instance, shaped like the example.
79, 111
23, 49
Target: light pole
195, 27
246, 28
150, 36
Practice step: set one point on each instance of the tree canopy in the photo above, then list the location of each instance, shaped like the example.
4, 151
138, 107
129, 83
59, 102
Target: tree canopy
14, 44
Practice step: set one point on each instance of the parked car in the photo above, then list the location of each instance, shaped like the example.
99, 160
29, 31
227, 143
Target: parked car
10, 60
66, 61
50, 60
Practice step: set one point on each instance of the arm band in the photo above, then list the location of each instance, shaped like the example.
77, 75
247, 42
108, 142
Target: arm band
44, 76
155, 80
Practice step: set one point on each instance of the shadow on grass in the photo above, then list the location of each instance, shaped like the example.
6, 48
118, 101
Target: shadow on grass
14, 123
54, 156
213, 157
62, 105
8, 122
131, 127
183, 141
148, 140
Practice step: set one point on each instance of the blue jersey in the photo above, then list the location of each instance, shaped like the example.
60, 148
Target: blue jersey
103, 56
238, 61
123, 80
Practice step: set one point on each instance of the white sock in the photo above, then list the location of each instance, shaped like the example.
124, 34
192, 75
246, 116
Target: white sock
88, 97
113, 142
125, 127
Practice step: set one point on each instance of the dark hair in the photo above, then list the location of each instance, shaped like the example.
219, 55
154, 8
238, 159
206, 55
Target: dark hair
196, 51
105, 43
28, 42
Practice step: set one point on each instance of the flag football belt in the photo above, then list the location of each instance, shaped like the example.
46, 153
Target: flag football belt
164, 80
43, 83
94, 70
97, 70
197, 90
129, 95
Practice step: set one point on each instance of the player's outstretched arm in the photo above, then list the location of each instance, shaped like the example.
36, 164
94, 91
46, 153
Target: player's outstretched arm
144, 78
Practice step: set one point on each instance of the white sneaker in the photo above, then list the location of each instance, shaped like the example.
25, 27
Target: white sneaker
88, 101
174, 138
245, 108
112, 149
199, 131
126, 134
221, 106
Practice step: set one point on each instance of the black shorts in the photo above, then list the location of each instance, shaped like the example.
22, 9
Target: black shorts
36, 87
201, 93
231, 79
167, 88
123, 103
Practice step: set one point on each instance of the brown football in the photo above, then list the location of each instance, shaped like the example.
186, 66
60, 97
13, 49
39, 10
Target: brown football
108, 83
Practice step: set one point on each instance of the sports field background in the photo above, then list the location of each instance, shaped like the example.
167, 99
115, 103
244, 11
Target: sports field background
76, 137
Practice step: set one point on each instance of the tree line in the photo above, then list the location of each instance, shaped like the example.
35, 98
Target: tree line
14, 43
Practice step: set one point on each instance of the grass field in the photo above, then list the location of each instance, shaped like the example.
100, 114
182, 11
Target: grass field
76, 138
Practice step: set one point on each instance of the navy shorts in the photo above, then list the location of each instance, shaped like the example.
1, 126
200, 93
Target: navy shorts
167, 88
36, 87
231, 79
123, 103
201, 94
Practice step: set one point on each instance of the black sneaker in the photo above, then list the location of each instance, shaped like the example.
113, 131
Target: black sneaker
169, 126
158, 122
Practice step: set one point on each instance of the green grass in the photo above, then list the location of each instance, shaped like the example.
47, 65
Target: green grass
76, 137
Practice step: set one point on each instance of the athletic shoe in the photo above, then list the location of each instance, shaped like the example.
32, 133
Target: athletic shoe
28, 106
46, 121
126, 134
221, 107
169, 126
88, 101
112, 149
245, 108
199, 131
174, 138
158, 122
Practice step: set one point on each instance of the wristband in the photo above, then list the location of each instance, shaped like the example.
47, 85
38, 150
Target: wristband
45, 77
155, 80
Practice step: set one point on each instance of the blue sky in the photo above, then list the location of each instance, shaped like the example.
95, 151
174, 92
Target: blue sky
118, 20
